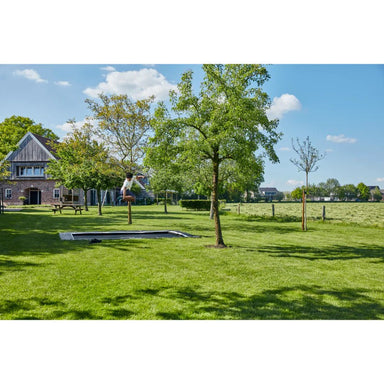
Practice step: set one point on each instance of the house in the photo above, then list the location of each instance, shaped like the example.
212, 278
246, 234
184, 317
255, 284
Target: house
372, 188
28, 182
269, 193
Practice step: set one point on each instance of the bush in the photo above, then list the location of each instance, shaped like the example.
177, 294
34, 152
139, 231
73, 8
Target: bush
197, 205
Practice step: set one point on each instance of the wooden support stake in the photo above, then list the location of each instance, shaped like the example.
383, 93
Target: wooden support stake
303, 214
273, 210
129, 213
323, 216
238, 209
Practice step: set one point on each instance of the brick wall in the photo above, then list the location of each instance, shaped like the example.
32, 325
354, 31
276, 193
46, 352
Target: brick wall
23, 187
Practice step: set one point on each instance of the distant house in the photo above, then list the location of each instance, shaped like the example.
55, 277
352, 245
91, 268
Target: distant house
269, 193
28, 182
372, 188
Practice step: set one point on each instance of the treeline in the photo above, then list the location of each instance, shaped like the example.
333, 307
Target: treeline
333, 190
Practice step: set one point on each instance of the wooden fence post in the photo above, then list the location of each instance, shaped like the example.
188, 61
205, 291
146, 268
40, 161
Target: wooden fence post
273, 210
323, 216
238, 209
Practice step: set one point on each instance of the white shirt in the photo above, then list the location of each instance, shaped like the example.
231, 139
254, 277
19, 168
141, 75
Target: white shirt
128, 183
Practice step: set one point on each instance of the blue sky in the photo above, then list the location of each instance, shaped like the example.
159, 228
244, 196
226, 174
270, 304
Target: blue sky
340, 107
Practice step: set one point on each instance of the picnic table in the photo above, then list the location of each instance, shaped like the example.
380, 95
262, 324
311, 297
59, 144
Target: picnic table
60, 206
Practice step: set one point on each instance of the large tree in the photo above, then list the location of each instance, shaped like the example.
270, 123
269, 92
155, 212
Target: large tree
12, 130
309, 156
124, 126
225, 120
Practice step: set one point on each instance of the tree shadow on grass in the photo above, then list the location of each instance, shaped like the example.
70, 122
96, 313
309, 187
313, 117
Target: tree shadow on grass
332, 253
299, 302
7, 265
290, 303
36, 308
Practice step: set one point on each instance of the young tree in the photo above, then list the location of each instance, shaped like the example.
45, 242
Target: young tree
226, 120
124, 126
364, 192
309, 156
83, 163
297, 193
12, 130
165, 169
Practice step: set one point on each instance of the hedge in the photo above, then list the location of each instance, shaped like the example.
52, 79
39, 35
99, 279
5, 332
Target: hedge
198, 205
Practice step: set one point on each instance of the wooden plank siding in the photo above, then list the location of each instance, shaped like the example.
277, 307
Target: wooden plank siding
29, 151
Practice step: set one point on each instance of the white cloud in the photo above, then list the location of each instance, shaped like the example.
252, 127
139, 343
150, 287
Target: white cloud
63, 83
295, 182
380, 179
283, 104
136, 84
67, 127
284, 149
341, 139
108, 68
30, 74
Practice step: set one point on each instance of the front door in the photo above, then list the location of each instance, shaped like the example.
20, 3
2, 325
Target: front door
35, 197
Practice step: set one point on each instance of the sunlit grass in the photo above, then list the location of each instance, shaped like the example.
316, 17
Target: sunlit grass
270, 269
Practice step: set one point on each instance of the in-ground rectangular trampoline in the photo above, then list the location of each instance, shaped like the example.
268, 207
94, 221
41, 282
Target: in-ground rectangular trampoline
122, 235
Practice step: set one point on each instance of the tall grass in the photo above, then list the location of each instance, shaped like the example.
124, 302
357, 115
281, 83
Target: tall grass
368, 214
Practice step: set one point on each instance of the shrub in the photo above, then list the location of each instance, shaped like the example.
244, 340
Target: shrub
198, 205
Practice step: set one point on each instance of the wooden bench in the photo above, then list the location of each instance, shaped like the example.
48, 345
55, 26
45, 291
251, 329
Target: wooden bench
78, 209
60, 207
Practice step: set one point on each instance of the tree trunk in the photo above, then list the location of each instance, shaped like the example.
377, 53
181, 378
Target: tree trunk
165, 202
99, 202
211, 210
215, 201
85, 199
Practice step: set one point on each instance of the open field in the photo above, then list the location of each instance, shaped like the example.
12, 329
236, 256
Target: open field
367, 214
270, 270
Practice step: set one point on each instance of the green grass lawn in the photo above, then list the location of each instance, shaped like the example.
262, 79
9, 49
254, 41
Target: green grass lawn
270, 270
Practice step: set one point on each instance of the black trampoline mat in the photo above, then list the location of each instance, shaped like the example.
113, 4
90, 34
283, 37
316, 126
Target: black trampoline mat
121, 235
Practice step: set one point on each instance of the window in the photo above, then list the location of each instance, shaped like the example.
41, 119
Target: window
56, 193
8, 193
30, 171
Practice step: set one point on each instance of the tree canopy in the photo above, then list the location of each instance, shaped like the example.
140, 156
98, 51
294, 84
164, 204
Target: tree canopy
124, 126
364, 192
12, 130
